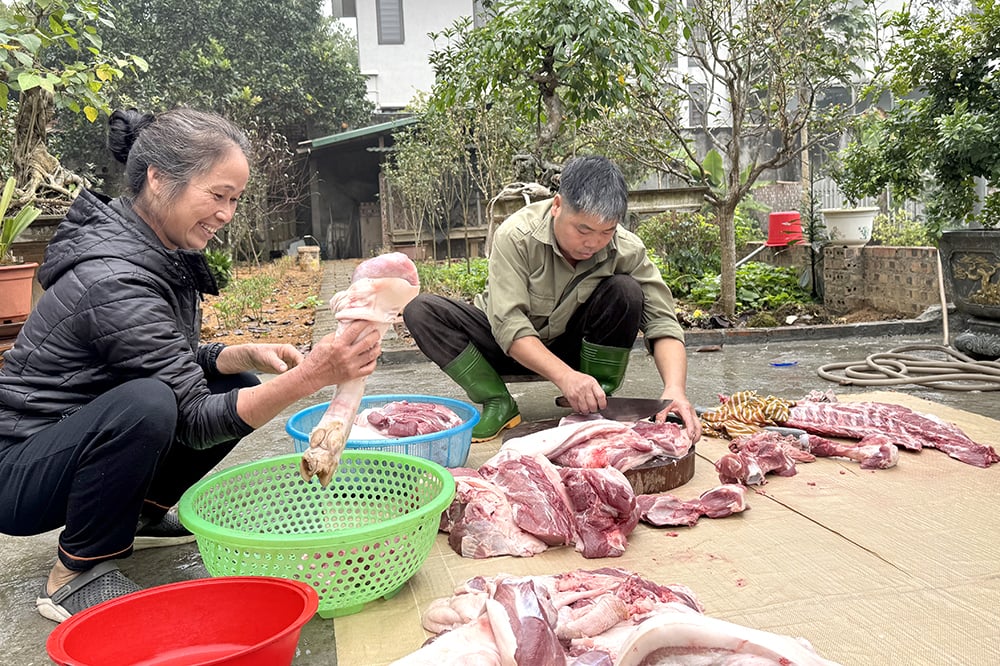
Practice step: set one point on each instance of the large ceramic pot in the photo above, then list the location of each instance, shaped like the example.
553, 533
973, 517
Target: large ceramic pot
15, 292
849, 226
971, 262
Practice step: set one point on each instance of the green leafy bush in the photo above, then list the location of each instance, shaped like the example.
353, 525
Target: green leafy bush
310, 302
244, 298
220, 263
685, 246
462, 279
759, 286
899, 228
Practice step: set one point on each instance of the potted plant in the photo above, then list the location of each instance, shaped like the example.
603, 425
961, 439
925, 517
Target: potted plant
15, 275
849, 226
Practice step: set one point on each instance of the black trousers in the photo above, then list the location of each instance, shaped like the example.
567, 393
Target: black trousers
443, 327
97, 470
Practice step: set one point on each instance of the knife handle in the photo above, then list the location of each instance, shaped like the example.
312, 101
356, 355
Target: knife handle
561, 401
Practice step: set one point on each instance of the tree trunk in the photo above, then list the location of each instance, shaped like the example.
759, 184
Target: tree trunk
30, 129
41, 181
727, 240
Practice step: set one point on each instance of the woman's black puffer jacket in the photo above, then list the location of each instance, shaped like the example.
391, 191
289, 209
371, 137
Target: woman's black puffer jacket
117, 306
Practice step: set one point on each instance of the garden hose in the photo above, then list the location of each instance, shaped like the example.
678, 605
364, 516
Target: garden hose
956, 372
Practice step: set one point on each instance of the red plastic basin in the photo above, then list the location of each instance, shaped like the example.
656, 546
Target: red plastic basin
232, 620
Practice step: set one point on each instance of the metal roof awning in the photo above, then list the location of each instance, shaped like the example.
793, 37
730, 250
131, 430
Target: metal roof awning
361, 135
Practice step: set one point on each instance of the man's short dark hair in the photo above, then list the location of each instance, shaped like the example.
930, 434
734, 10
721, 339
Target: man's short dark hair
594, 185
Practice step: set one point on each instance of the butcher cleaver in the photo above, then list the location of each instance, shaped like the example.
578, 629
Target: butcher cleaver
626, 409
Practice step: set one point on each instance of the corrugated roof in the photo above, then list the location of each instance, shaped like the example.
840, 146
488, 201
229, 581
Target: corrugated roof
356, 134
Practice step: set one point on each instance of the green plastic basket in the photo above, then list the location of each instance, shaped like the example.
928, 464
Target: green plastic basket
357, 540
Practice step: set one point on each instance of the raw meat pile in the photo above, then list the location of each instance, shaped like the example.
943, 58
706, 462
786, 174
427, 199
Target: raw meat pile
556, 487
881, 428
402, 418
518, 504
380, 288
605, 617
764, 452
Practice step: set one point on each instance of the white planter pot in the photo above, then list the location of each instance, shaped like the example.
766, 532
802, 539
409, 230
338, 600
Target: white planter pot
849, 226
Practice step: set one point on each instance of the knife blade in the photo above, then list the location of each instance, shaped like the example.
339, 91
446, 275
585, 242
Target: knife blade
626, 409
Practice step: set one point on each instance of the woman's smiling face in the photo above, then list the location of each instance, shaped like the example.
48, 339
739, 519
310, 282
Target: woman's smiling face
205, 205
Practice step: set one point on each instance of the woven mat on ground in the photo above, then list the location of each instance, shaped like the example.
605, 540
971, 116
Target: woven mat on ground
881, 567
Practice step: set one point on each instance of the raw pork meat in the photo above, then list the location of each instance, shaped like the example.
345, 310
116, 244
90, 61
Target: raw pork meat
757, 455
606, 617
515, 626
380, 288
588, 602
516, 502
480, 521
605, 509
689, 638
665, 509
604, 443
537, 496
873, 451
904, 427
402, 418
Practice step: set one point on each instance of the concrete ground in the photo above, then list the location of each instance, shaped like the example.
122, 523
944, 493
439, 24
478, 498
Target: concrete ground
745, 362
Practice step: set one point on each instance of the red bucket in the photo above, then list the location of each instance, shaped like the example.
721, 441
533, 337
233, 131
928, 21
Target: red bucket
784, 228
234, 620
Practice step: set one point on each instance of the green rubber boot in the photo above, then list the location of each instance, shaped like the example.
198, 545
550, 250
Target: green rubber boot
605, 364
472, 372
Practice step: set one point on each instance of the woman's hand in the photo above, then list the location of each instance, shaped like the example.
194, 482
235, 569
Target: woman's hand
268, 358
339, 357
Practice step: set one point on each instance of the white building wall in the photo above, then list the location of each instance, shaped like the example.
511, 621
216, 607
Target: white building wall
397, 72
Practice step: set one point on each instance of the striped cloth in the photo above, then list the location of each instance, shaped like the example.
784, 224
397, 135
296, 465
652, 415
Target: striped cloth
745, 413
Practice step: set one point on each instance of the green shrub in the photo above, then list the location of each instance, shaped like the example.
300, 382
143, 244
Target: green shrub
310, 302
462, 279
686, 246
899, 228
243, 298
759, 286
220, 263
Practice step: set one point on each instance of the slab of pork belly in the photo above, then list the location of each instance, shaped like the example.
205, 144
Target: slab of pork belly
603, 443
380, 289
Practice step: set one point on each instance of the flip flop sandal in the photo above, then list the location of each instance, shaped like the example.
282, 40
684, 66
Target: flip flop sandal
101, 583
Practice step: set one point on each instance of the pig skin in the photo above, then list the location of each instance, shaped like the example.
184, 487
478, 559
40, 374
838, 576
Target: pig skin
682, 638
380, 289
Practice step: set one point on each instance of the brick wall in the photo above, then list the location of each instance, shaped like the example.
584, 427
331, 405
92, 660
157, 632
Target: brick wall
778, 196
889, 279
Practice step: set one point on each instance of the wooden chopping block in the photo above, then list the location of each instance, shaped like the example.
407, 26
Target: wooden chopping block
661, 474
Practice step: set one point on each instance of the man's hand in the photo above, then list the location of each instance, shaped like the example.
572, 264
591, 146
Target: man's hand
684, 409
584, 393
